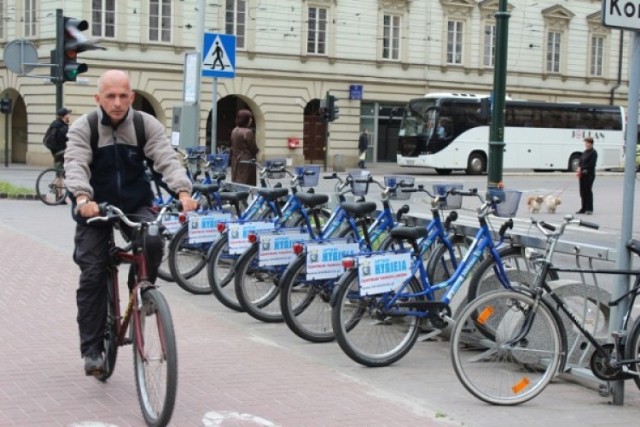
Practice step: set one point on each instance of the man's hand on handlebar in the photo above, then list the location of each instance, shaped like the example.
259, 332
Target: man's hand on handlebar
188, 203
87, 208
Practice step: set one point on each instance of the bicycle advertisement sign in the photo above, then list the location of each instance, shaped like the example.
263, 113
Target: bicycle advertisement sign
324, 260
204, 228
382, 273
239, 232
276, 248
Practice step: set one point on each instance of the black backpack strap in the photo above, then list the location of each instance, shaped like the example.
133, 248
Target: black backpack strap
92, 118
138, 124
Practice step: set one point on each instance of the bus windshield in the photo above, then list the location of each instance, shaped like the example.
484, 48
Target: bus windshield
417, 127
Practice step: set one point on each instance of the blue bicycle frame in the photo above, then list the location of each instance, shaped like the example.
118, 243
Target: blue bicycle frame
483, 240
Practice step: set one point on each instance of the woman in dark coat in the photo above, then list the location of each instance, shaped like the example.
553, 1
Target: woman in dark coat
243, 147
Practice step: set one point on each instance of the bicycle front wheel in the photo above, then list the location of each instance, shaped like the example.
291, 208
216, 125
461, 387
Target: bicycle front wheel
632, 350
155, 359
50, 187
110, 335
221, 270
257, 287
516, 361
186, 262
367, 329
520, 272
305, 303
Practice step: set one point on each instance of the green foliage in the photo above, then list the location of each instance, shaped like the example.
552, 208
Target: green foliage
12, 190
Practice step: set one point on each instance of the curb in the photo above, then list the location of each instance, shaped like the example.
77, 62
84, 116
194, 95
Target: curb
18, 196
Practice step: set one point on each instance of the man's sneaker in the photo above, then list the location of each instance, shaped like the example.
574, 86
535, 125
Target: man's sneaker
93, 364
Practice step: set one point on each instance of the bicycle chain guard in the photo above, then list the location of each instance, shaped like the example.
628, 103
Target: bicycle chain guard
600, 365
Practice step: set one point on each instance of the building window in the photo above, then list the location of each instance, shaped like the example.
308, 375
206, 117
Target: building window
597, 54
30, 9
554, 42
391, 37
317, 31
236, 20
455, 33
489, 56
160, 20
103, 18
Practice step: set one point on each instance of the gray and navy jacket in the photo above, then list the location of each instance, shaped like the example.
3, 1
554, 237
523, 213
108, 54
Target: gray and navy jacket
114, 171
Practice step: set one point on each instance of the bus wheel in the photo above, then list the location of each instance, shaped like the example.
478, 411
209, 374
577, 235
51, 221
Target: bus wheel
477, 164
574, 162
443, 171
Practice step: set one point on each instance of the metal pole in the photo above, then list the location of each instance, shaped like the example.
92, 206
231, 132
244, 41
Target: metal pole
626, 230
325, 146
214, 115
201, 5
60, 53
6, 140
496, 132
325, 118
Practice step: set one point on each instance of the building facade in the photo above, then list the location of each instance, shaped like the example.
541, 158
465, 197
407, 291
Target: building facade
373, 55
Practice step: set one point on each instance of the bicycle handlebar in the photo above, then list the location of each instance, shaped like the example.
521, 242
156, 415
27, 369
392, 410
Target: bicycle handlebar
548, 229
342, 183
109, 212
588, 224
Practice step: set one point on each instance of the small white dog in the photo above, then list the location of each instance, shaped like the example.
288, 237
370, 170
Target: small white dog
552, 203
535, 203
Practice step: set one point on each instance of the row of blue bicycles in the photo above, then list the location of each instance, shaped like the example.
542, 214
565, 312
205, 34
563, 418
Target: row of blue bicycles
280, 255
376, 282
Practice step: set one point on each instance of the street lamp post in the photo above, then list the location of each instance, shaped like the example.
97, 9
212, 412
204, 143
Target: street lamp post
496, 132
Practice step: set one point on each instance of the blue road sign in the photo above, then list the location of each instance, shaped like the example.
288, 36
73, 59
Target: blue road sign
219, 55
355, 91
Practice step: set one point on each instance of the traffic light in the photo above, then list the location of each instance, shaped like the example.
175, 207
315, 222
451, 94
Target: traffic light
73, 43
72, 32
5, 105
333, 110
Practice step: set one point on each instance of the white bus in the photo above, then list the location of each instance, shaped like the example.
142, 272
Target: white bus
451, 132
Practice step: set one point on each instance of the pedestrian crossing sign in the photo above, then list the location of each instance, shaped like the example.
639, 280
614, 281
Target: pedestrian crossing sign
219, 55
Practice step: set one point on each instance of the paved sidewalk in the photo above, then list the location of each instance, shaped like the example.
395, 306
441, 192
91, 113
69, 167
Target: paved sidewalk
234, 370
230, 364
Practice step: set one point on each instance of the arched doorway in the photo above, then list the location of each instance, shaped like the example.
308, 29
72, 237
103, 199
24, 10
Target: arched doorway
227, 108
313, 132
16, 141
141, 103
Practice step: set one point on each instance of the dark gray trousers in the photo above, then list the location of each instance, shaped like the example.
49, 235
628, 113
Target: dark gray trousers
91, 253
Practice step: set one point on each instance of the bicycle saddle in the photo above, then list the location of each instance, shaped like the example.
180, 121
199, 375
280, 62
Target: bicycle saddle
272, 193
404, 232
359, 209
312, 200
233, 196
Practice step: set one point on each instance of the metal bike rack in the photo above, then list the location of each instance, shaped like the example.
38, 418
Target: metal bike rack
585, 293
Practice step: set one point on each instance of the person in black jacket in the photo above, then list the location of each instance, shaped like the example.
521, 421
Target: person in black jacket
363, 144
60, 126
586, 176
